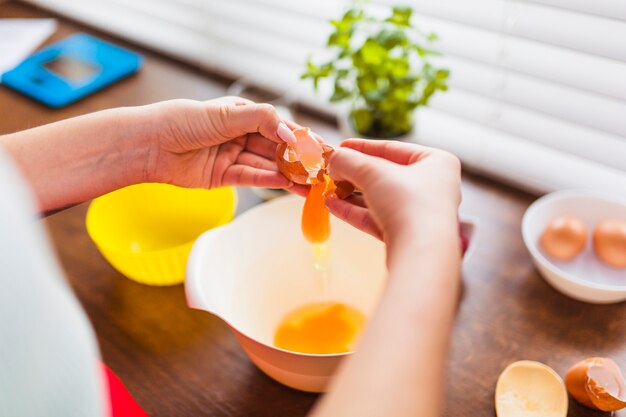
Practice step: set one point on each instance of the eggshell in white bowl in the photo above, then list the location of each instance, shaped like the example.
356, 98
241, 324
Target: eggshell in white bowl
586, 277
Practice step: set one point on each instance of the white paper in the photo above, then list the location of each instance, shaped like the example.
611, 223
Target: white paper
20, 37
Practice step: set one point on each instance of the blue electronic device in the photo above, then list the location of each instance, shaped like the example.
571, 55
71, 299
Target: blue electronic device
71, 69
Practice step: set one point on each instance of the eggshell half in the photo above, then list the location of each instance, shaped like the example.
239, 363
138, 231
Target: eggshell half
597, 383
529, 388
290, 167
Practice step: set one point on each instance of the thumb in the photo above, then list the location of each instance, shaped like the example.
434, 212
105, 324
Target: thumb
355, 167
238, 120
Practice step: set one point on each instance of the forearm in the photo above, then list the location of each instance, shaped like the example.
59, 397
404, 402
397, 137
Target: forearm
71, 161
399, 366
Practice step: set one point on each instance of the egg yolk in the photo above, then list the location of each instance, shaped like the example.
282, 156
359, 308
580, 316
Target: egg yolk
320, 328
315, 215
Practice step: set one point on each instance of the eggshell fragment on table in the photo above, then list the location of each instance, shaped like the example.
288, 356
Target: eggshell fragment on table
529, 388
597, 383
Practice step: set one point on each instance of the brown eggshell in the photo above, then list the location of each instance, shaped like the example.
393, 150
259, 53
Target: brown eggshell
328, 152
294, 171
576, 382
589, 392
603, 400
344, 189
320, 175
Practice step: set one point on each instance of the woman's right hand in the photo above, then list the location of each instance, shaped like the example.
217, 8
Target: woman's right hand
402, 184
410, 199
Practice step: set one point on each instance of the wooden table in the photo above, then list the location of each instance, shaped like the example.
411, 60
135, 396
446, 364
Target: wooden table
180, 362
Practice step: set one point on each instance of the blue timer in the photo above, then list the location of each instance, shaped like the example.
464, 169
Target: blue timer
71, 69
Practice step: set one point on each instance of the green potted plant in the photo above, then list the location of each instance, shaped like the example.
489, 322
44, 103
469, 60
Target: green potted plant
382, 67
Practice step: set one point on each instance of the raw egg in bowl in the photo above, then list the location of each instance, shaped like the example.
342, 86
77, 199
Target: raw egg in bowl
574, 240
255, 271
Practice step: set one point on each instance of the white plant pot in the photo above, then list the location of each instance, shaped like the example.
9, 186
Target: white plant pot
347, 129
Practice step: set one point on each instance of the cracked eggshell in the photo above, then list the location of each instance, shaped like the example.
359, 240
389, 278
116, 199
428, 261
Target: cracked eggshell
302, 161
597, 383
306, 161
292, 169
344, 189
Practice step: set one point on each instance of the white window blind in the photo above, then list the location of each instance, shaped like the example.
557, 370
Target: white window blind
538, 87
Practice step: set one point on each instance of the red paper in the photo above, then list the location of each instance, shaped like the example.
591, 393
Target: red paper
121, 402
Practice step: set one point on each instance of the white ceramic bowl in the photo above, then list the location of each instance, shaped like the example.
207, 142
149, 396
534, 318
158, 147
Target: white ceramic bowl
255, 270
585, 278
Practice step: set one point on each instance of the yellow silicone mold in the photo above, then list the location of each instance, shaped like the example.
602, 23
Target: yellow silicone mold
146, 231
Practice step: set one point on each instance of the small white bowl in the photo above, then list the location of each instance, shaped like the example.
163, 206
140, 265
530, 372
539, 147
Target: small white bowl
586, 277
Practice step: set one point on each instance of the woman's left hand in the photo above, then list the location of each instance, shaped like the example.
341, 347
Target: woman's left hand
226, 141
220, 142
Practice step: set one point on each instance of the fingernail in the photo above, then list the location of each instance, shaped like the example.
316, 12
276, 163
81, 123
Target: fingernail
285, 133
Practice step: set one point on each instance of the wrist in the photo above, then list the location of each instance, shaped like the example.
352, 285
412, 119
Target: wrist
165, 128
140, 130
73, 160
428, 230
417, 219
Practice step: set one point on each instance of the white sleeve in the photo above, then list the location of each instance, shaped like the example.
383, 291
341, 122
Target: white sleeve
48, 352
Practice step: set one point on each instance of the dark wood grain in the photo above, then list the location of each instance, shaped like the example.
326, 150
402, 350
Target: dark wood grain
179, 362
